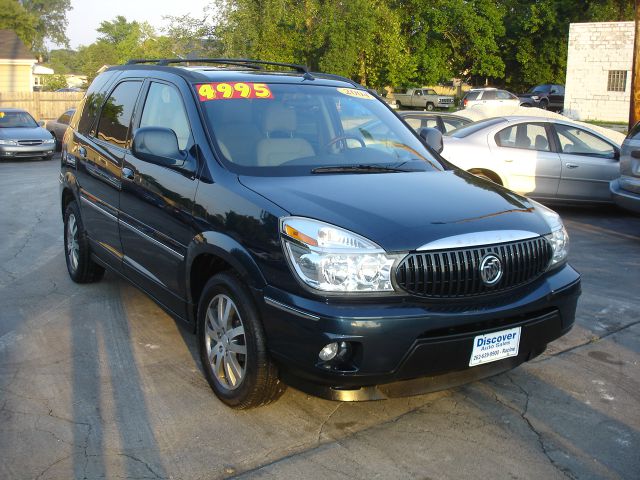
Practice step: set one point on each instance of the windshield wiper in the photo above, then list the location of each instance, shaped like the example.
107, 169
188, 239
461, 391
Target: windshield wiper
359, 169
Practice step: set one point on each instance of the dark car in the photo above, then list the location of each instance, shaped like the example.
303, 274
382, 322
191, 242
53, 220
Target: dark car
548, 96
59, 126
625, 190
300, 246
444, 122
22, 137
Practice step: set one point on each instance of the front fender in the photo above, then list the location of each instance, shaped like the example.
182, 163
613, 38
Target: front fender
229, 250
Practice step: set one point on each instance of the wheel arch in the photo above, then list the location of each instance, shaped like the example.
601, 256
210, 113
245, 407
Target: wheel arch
213, 252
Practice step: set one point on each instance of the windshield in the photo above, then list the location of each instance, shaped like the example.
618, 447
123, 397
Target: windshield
467, 130
16, 120
284, 129
540, 89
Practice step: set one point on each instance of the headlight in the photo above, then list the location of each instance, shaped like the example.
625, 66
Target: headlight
8, 142
558, 238
535, 97
49, 141
332, 259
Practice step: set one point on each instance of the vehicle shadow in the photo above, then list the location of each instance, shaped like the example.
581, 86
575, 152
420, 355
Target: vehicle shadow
110, 413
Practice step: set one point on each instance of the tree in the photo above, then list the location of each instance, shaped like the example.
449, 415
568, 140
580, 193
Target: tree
51, 21
55, 82
14, 17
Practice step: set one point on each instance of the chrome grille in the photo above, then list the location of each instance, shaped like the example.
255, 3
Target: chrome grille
456, 273
29, 142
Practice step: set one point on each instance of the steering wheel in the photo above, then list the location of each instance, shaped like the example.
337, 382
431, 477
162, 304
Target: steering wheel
345, 137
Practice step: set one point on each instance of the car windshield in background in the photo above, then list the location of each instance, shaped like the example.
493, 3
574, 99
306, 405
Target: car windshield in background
283, 129
16, 120
467, 130
540, 89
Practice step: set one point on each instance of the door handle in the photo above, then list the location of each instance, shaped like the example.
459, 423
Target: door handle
82, 152
128, 173
571, 165
508, 160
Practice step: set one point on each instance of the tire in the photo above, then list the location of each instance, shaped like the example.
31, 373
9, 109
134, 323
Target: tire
81, 268
544, 104
526, 105
398, 104
430, 107
233, 349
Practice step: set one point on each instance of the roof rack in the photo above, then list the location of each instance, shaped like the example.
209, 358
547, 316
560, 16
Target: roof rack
240, 62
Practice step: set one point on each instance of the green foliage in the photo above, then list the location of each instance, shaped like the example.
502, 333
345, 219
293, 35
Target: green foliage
55, 82
36, 21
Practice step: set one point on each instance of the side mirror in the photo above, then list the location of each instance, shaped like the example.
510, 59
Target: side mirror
433, 138
157, 145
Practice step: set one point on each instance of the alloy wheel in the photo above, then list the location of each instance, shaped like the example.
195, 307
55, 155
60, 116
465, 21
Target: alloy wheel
73, 249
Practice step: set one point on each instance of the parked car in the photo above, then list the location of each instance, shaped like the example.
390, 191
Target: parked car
69, 89
426, 98
444, 122
298, 252
625, 189
489, 96
22, 137
59, 126
547, 96
546, 159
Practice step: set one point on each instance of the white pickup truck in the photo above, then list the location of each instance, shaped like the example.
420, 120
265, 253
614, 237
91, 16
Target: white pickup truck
426, 98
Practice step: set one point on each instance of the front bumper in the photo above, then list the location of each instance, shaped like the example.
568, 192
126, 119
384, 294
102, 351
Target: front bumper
26, 151
624, 198
404, 346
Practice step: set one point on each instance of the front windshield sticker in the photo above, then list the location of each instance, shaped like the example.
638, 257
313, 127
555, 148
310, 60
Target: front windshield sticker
232, 90
1, 114
352, 92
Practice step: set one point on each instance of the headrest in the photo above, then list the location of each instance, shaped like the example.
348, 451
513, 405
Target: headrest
541, 142
279, 118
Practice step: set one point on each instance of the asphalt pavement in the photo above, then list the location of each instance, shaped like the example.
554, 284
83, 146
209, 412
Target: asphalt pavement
96, 381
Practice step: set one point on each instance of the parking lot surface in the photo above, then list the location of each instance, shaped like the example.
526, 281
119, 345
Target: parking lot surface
96, 381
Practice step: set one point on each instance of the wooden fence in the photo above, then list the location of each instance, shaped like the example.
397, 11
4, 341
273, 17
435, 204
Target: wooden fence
41, 105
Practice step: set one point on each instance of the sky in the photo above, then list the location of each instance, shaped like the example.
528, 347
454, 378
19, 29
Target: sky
86, 15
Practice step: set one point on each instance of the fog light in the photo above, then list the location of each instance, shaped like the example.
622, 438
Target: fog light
329, 352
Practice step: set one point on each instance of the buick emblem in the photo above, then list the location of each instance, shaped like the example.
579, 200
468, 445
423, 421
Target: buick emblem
490, 269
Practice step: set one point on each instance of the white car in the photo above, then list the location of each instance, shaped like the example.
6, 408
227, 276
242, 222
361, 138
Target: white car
489, 96
543, 158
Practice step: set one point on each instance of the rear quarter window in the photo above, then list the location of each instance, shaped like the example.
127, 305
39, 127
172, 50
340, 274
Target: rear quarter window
472, 95
91, 103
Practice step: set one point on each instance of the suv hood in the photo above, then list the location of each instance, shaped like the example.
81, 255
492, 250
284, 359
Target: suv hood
402, 211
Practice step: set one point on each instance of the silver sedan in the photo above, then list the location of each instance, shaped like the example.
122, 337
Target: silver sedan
547, 159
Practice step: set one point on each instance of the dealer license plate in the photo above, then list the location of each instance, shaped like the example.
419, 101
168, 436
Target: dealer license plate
495, 346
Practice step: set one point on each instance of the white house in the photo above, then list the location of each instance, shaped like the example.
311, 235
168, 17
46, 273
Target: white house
599, 62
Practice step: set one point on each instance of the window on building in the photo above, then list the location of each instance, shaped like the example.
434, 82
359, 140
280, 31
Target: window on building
617, 81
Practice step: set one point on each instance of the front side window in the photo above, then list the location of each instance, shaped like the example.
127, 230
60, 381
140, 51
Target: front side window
504, 95
285, 129
65, 117
540, 89
580, 142
528, 136
115, 117
164, 108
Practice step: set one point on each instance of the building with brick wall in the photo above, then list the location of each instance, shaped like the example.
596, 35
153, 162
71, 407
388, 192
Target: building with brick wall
599, 62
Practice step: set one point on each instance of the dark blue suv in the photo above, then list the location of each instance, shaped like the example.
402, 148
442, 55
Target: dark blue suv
306, 232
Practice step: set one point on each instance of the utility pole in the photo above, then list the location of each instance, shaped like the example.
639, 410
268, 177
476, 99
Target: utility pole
634, 110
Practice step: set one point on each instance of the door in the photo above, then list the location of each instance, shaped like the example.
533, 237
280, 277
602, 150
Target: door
156, 202
100, 155
526, 161
589, 163
556, 97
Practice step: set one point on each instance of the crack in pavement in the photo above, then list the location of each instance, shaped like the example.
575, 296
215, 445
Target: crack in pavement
523, 415
324, 422
593, 340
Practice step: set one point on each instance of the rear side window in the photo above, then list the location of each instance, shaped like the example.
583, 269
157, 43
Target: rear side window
92, 102
489, 95
530, 136
451, 123
116, 114
472, 95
